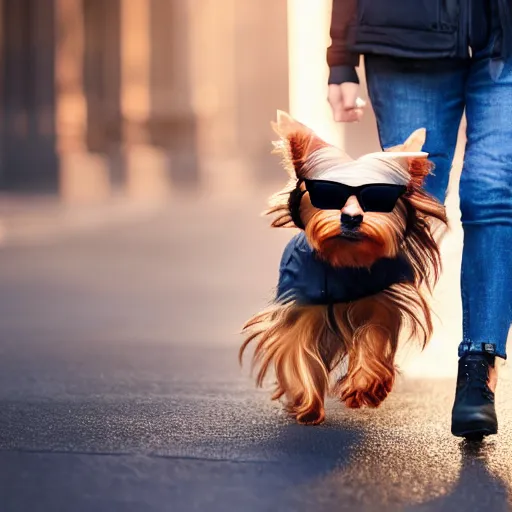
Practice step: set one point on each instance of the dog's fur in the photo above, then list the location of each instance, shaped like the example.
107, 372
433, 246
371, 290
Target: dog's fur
305, 343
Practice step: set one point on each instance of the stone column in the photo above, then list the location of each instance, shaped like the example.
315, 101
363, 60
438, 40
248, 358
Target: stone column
2, 86
261, 83
84, 176
173, 123
147, 166
239, 77
211, 66
102, 78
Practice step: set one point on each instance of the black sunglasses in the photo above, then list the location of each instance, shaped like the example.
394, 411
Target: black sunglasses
375, 197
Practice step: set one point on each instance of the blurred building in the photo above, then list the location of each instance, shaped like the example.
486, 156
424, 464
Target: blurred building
143, 98
138, 97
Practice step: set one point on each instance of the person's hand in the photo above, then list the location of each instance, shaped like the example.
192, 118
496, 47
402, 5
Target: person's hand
346, 105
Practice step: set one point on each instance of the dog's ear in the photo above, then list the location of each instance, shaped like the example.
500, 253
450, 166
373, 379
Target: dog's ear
296, 143
419, 169
413, 144
415, 141
419, 166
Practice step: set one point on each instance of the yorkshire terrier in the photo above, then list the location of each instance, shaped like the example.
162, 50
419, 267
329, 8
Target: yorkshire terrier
353, 281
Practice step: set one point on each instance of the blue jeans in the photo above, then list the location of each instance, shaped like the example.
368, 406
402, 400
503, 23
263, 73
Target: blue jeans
407, 95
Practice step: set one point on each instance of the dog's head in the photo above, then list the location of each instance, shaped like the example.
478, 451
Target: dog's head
355, 212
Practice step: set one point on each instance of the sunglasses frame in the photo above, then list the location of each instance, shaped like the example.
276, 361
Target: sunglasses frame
356, 191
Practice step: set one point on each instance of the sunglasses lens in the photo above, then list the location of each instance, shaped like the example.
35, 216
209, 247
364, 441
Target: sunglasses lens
326, 196
380, 198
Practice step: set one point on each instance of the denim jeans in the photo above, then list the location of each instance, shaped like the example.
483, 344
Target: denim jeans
407, 95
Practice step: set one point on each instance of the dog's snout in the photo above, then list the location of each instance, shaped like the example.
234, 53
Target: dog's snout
351, 221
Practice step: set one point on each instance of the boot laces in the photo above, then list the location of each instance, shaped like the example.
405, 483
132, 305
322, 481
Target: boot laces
476, 375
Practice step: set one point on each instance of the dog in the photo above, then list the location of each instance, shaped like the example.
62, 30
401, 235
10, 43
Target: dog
353, 281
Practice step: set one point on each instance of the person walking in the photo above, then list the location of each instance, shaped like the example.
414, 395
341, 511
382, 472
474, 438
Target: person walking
425, 63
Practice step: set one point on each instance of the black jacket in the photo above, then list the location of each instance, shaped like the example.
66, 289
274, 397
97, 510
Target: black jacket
418, 29
307, 279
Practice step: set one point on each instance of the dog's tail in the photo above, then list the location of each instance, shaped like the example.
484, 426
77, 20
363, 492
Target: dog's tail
301, 345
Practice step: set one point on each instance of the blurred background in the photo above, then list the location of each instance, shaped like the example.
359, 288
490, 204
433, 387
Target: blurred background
112, 110
145, 98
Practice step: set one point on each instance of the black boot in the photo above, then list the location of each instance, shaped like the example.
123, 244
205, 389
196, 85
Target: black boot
474, 414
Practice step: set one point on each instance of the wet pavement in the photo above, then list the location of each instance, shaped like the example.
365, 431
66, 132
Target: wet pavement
120, 388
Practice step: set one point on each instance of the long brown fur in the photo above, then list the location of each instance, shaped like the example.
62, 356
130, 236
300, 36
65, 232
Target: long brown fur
304, 344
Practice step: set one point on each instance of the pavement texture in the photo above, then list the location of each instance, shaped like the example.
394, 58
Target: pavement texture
120, 388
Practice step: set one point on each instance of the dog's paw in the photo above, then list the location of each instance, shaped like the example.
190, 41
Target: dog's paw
371, 395
313, 417
312, 413
358, 399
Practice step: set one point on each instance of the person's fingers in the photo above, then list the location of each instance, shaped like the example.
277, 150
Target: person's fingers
358, 114
349, 94
350, 116
335, 99
345, 103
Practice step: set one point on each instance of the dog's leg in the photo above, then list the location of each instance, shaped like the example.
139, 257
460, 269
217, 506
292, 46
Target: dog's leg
374, 323
290, 338
301, 371
303, 380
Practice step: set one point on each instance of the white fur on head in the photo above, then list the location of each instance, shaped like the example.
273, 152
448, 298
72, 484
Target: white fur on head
306, 156
383, 167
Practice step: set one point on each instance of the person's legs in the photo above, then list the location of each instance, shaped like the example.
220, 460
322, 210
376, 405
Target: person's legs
486, 208
486, 213
407, 95
406, 98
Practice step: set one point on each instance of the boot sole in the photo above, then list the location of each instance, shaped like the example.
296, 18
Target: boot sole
476, 431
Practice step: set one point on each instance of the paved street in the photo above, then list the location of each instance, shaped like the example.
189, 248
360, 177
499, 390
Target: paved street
120, 388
